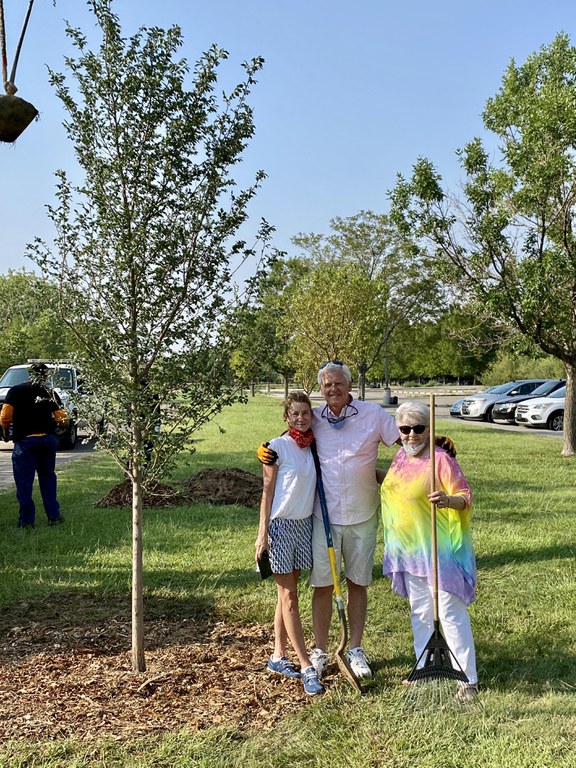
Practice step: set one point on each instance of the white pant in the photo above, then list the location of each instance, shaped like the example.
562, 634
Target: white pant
454, 618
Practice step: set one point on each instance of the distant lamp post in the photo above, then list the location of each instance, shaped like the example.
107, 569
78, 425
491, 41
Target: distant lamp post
388, 399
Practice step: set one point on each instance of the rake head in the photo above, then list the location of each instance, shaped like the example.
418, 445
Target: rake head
437, 664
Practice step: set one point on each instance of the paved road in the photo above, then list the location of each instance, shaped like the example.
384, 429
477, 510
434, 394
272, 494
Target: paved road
62, 457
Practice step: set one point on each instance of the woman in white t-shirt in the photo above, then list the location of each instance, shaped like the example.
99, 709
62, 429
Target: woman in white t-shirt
285, 532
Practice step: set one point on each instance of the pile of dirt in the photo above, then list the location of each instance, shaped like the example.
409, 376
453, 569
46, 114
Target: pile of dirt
154, 495
209, 486
68, 678
224, 486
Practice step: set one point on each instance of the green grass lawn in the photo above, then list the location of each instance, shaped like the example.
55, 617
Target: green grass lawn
524, 619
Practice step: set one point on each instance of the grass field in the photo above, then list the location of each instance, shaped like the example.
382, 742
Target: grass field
524, 619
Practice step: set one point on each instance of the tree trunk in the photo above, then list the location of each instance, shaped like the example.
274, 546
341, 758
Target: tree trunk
569, 448
286, 385
138, 660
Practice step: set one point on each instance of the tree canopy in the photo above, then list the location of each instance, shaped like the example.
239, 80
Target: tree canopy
507, 245
364, 283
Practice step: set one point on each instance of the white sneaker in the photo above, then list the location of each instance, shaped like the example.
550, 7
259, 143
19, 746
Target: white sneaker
319, 660
359, 662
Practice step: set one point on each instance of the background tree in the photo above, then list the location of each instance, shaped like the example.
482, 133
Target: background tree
32, 327
509, 245
148, 239
264, 339
365, 282
455, 346
509, 366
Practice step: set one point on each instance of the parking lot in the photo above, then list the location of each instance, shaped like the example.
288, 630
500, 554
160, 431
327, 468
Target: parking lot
445, 397
443, 402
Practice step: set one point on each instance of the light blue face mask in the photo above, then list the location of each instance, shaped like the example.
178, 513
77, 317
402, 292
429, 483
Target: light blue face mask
413, 450
338, 422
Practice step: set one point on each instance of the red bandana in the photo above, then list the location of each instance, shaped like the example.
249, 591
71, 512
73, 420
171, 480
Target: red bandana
303, 439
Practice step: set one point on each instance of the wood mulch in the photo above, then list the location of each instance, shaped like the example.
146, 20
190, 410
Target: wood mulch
66, 667
73, 679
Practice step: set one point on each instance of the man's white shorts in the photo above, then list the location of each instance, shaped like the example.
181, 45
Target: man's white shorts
355, 543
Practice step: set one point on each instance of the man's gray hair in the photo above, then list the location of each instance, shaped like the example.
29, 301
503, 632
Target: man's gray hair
334, 366
414, 409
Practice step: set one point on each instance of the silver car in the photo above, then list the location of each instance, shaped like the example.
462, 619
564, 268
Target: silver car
480, 406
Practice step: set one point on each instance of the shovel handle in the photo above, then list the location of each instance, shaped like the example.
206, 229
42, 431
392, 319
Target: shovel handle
327, 530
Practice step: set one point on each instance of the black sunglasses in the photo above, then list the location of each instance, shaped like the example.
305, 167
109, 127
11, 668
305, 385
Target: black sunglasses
331, 362
416, 428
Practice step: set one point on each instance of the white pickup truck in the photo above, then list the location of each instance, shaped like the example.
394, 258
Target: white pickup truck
66, 381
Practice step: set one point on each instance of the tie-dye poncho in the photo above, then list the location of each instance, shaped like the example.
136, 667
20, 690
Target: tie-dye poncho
407, 525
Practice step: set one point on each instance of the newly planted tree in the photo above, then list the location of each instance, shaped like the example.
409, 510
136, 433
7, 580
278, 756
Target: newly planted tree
147, 243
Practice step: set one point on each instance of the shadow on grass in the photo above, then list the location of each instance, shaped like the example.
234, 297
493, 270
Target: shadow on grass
508, 557
532, 661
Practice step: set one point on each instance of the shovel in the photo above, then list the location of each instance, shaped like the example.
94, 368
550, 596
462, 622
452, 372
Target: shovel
437, 655
341, 657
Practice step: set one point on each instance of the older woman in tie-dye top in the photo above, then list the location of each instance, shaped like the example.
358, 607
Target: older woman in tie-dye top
406, 497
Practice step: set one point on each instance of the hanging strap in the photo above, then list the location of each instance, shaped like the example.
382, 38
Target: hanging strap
19, 46
3, 45
9, 84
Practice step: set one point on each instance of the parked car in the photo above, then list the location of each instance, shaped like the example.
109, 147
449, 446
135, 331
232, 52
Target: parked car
543, 411
480, 406
456, 409
66, 381
505, 410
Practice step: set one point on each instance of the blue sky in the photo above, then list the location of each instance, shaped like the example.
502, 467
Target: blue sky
352, 92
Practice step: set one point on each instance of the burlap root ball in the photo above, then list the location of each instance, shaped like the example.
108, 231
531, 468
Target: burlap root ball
15, 116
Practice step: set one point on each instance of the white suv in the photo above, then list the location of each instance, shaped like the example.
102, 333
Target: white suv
543, 411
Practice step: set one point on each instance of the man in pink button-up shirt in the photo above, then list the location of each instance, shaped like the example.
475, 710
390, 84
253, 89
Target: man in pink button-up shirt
348, 433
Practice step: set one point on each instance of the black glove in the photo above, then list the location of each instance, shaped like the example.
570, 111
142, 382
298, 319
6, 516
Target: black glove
266, 455
447, 444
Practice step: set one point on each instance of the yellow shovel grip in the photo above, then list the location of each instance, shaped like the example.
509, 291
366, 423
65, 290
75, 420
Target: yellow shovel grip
335, 577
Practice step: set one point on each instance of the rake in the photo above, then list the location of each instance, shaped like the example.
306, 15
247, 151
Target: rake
341, 657
436, 660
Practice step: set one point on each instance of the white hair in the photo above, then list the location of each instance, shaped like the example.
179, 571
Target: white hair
414, 408
328, 367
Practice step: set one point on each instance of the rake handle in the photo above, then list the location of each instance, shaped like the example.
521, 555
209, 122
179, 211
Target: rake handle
433, 509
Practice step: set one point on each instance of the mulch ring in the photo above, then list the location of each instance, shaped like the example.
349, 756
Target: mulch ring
74, 680
209, 486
